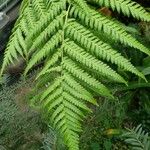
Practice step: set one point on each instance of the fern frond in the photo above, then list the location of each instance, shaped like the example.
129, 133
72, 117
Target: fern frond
127, 7
47, 48
30, 17
82, 4
137, 138
54, 26
16, 47
56, 83
40, 7
49, 22
66, 115
51, 62
91, 62
76, 86
75, 93
75, 100
54, 95
96, 47
25, 26
95, 85
64, 36
100, 23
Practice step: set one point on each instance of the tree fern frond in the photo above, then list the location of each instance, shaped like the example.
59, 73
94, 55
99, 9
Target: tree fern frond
127, 7
82, 4
23, 6
88, 60
54, 69
21, 42
46, 23
72, 68
74, 108
56, 83
29, 16
16, 45
75, 85
75, 93
40, 7
73, 115
24, 26
100, 23
63, 35
97, 47
137, 138
47, 48
48, 4
54, 104
54, 26
56, 93
55, 57
75, 101
14, 49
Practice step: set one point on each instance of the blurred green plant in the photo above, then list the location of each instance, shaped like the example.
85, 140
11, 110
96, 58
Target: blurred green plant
21, 127
137, 138
17, 128
97, 126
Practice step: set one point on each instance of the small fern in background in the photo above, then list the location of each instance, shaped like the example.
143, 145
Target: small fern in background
65, 36
53, 141
137, 138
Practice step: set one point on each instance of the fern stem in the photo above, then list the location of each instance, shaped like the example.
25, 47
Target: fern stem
63, 35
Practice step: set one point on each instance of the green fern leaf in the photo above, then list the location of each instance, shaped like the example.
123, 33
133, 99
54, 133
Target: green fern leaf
96, 47
127, 7
40, 7
61, 35
96, 21
47, 48
137, 138
88, 60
